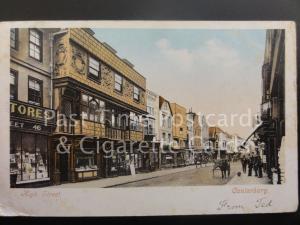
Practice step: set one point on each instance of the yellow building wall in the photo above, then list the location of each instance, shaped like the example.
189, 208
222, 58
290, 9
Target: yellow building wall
71, 59
179, 121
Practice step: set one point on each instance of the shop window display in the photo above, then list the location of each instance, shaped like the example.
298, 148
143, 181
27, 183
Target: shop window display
85, 162
28, 156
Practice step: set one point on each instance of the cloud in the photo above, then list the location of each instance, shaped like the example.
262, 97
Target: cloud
211, 53
182, 58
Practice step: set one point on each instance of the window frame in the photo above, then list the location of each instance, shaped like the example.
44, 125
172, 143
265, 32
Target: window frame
41, 44
41, 90
115, 82
98, 112
134, 94
16, 74
90, 75
16, 38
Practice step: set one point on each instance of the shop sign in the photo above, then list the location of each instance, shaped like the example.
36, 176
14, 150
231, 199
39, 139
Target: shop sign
32, 113
27, 125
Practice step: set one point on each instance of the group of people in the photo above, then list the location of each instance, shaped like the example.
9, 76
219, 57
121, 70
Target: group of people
254, 162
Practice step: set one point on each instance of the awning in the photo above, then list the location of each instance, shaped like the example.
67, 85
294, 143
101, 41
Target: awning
258, 126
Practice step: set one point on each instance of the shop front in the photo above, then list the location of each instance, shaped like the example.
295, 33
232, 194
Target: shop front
30, 130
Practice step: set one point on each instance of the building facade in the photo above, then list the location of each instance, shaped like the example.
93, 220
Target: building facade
102, 99
204, 133
165, 133
180, 134
218, 142
151, 130
31, 119
194, 143
272, 132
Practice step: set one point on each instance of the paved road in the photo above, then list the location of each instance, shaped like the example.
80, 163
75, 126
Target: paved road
195, 177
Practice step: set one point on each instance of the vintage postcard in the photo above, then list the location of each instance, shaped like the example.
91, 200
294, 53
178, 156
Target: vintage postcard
132, 118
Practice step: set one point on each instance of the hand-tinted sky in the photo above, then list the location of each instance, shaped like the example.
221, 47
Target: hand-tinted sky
210, 71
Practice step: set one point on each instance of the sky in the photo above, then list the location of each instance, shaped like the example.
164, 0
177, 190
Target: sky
215, 72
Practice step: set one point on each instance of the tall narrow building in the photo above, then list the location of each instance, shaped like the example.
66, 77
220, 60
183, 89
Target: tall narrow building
272, 133
30, 106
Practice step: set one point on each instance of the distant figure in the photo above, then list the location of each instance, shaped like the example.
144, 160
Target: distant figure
255, 165
244, 163
239, 174
260, 165
250, 165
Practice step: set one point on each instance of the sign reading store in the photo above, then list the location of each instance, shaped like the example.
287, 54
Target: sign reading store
27, 116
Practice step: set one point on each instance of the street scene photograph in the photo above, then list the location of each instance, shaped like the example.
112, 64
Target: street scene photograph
136, 107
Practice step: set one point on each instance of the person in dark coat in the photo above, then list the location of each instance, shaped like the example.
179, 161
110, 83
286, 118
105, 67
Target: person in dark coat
255, 165
250, 165
244, 163
260, 165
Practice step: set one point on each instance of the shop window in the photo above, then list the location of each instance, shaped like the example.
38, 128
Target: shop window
13, 84
118, 82
14, 38
94, 69
41, 157
35, 44
28, 156
136, 93
15, 154
34, 91
85, 161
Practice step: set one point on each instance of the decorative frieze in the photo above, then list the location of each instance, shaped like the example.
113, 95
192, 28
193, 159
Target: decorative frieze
79, 60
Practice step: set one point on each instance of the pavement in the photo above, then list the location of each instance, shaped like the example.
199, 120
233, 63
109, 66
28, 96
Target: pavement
244, 179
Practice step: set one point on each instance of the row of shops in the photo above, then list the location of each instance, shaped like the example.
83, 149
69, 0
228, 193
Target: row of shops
41, 157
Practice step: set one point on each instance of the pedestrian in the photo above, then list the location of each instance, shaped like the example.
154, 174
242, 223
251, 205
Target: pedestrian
260, 165
255, 165
250, 165
244, 163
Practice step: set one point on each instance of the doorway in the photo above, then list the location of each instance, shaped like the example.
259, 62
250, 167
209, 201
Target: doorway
64, 168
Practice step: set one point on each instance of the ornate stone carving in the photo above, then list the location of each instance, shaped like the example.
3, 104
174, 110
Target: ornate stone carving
60, 59
107, 78
142, 98
127, 89
78, 60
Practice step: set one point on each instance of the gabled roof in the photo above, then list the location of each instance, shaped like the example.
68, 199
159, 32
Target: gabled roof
161, 102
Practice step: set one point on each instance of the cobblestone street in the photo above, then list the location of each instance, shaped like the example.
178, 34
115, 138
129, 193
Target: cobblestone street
183, 176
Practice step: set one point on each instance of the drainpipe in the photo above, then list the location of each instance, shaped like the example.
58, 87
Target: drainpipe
52, 35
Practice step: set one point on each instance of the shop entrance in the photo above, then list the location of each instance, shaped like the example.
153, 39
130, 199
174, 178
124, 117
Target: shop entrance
63, 168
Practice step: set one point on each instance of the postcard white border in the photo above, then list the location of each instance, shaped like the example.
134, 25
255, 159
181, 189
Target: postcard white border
151, 200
